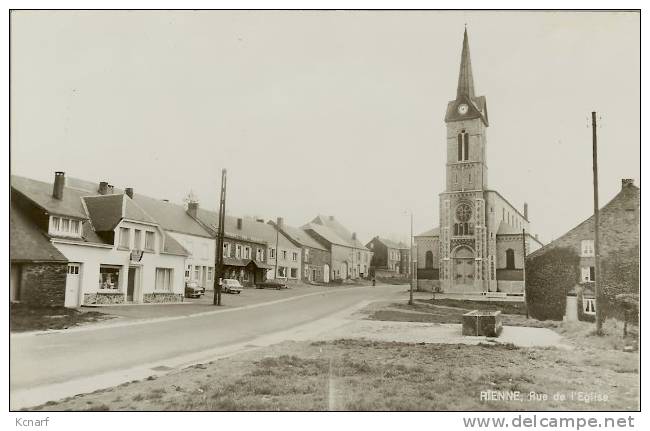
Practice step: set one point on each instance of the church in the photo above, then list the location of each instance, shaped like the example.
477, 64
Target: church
478, 248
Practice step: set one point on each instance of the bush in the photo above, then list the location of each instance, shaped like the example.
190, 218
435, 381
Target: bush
549, 276
620, 278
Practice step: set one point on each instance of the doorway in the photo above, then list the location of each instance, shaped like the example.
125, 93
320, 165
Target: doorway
15, 281
132, 281
72, 283
464, 267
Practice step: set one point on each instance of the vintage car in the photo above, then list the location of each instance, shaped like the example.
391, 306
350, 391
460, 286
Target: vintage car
193, 290
229, 285
277, 283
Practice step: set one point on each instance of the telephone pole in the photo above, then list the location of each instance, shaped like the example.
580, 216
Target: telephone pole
599, 316
411, 263
220, 233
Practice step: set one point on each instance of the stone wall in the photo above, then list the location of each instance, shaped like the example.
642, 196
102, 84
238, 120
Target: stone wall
43, 284
103, 298
161, 297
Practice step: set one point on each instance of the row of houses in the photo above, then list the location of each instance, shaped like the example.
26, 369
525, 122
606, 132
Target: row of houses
75, 242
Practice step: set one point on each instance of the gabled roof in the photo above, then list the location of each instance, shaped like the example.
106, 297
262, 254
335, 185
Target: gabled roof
106, 211
171, 216
431, 232
27, 243
391, 244
40, 193
301, 237
251, 230
326, 233
336, 231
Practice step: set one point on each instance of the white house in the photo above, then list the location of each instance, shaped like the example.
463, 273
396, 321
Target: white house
116, 252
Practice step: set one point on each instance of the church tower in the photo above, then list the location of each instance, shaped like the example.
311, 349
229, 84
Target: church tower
464, 258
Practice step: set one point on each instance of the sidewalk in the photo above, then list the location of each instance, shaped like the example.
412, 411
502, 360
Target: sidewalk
190, 306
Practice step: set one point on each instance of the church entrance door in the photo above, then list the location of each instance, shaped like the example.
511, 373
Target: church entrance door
464, 267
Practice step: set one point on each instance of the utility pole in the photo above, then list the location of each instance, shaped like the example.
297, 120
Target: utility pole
220, 233
599, 316
523, 239
277, 251
411, 262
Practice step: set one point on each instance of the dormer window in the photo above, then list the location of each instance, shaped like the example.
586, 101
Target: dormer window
62, 226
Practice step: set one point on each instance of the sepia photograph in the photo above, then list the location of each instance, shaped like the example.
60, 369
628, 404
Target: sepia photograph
293, 210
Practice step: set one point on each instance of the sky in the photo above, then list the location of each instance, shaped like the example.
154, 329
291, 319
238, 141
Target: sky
326, 112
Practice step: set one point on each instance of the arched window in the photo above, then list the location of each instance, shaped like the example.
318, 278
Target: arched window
428, 259
460, 146
510, 259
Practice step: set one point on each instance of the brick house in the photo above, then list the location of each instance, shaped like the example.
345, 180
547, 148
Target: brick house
116, 253
38, 269
619, 248
389, 258
316, 258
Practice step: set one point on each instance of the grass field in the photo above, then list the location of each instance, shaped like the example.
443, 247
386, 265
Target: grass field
366, 375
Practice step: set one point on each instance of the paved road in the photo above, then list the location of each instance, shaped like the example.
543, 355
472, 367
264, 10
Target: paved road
53, 359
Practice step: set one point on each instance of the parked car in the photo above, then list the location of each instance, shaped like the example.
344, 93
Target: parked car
272, 284
229, 285
193, 290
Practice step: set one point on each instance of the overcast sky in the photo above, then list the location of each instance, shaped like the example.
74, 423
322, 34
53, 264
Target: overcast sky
326, 112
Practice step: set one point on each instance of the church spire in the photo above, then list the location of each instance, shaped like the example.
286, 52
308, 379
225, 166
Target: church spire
465, 77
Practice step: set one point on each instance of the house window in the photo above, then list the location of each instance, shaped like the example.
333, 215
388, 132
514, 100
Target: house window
247, 252
294, 272
294, 256
65, 225
428, 259
589, 305
188, 271
164, 279
588, 274
271, 253
238, 251
260, 254
306, 255
109, 277
587, 247
197, 272
284, 254
56, 224
149, 240
282, 271
210, 269
226, 249
510, 259
125, 237
137, 238
73, 268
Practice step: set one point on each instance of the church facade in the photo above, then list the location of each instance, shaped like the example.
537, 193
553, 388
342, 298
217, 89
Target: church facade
479, 245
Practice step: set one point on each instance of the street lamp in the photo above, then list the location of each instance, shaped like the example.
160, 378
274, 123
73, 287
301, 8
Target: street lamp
410, 257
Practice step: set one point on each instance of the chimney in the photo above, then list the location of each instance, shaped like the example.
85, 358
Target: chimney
280, 223
626, 182
103, 188
59, 182
110, 189
260, 220
526, 210
240, 222
165, 200
354, 235
129, 192
193, 209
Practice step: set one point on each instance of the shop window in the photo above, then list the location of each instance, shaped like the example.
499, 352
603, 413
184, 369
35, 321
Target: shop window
109, 277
